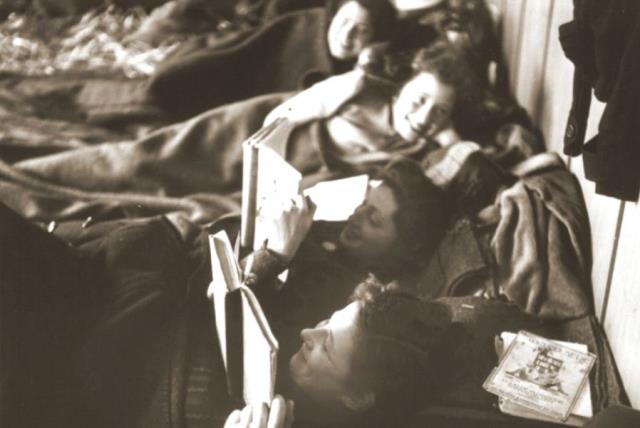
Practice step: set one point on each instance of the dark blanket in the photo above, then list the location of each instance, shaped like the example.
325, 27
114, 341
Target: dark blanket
282, 55
192, 167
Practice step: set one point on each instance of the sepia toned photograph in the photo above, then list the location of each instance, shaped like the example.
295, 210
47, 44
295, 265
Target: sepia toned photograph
319, 213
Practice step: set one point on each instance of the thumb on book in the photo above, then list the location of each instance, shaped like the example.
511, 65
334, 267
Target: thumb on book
277, 413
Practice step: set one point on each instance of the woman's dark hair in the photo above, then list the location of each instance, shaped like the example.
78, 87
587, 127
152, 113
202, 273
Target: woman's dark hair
421, 217
450, 64
447, 62
405, 349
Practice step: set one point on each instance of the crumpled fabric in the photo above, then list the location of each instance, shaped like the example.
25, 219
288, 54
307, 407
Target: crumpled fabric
32, 44
542, 244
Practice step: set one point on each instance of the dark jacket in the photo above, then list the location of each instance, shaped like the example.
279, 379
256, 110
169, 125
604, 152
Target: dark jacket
603, 42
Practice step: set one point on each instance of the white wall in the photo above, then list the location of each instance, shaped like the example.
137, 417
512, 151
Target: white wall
541, 77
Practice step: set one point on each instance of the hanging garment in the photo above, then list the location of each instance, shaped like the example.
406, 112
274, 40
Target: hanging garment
603, 42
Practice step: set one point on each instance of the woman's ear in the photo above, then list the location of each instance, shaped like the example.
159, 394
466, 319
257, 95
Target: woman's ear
359, 401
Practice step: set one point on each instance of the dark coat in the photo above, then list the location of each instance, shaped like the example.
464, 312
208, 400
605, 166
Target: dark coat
603, 42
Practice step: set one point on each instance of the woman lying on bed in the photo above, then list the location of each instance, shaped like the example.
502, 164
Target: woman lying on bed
118, 332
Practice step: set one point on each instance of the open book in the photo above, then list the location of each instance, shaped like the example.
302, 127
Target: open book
249, 348
267, 180
539, 378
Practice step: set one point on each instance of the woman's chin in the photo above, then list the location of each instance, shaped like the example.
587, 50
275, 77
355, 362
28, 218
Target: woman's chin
340, 52
296, 364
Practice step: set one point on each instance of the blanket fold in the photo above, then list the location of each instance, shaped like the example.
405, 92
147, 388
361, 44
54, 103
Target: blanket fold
542, 245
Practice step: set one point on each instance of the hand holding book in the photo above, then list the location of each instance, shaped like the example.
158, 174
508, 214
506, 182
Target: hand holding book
289, 225
278, 415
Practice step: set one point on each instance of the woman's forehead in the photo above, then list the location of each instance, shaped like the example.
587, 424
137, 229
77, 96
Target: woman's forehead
429, 83
382, 197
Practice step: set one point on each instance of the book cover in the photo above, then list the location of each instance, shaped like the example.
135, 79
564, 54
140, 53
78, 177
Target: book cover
582, 410
541, 375
249, 348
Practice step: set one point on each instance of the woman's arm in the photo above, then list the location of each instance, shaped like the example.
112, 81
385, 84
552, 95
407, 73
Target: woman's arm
321, 100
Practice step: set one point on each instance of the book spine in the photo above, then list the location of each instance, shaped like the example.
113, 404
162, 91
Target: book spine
235, 344
249, 196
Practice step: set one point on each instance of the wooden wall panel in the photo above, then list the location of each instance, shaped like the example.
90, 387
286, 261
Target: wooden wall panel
558, 80
511, 20
603, 215
622, 321
534, 30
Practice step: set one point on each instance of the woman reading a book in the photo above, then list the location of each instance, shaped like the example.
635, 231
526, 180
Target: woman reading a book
368, 364
391, 234
117, 331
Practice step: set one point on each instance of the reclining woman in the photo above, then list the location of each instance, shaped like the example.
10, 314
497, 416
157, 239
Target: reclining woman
131, 344
392, 234
100, 333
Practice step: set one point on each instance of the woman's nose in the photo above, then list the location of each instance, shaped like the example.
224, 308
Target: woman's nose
422, 114
311, 335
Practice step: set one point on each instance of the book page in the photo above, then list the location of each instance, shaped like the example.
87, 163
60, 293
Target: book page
278, 182
541, 375
260, 352
268, 180
336, 200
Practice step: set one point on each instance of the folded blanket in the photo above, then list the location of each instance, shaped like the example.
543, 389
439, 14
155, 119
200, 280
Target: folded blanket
193, 167
542, 244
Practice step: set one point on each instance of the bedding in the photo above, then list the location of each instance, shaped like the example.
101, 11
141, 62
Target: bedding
528, 240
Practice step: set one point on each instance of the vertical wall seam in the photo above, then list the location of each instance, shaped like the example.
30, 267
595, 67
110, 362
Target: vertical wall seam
540, 95
514, 67
516, 71
612, 263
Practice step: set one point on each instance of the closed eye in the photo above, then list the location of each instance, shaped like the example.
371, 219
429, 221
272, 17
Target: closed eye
375, 219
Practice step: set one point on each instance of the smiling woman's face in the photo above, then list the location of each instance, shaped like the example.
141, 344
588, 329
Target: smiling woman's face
423, 107
321, 367
350, 31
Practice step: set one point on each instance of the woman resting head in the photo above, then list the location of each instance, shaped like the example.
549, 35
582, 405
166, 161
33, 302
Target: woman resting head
427, 102
357, 23
379, 359
361, 116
